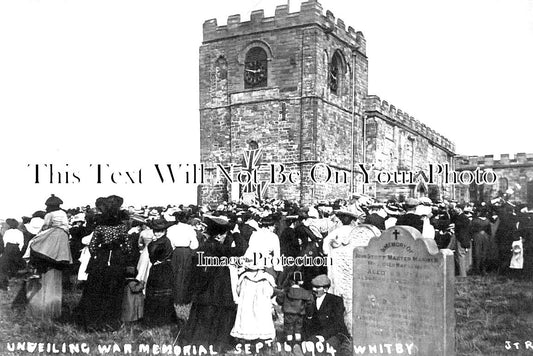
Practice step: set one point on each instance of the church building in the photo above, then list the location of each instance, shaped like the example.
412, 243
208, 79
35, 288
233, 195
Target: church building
285, 113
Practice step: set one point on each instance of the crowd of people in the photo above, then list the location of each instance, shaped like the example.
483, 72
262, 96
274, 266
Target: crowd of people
138, 265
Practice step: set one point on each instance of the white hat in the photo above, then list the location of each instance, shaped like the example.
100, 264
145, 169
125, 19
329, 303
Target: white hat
468, 208
35, 225
423, 210
313, 213
78, 218
425, 201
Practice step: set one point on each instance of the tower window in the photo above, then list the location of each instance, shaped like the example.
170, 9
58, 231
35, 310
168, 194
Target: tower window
335, 73
255, 68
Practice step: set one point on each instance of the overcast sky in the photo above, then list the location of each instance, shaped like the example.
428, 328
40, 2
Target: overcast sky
116, 82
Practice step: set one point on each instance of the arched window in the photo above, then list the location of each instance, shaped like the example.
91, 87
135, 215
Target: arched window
221, 69
421, 189
336, 72
255, 68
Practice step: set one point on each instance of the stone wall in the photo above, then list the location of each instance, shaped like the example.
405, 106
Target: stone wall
395, 141
513, 172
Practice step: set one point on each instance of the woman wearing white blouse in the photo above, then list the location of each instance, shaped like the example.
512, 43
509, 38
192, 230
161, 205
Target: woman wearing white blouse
11, 258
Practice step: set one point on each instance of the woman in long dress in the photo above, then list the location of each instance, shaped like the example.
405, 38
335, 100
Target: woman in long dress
184, 241
11, 259
143, 265
49, 253
213, 308
159, 304
256, 287
112, 251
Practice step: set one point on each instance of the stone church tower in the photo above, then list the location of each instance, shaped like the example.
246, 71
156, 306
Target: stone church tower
283, 92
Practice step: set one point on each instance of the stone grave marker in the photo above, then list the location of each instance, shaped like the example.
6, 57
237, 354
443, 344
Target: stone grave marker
403, 301
340, 272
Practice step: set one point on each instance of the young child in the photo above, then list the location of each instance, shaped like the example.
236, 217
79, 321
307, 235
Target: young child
296, 303
133, 302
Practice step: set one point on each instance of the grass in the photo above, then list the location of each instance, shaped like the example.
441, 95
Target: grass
490, 310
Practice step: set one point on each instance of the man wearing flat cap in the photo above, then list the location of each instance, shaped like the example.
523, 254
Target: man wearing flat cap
327, 317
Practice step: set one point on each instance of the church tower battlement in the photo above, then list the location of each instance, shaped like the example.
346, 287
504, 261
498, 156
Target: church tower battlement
310, 13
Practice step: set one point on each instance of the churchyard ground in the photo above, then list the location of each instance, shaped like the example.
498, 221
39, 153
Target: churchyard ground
494, 316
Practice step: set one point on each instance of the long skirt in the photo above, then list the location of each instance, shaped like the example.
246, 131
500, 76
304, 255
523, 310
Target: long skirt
10, 262
100, 305
209, 325
254, 312
159, 305
143, 266
45, 294
133, 302
50, 248
182, 269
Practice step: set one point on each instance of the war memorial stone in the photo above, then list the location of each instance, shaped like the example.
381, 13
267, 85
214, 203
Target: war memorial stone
403, 296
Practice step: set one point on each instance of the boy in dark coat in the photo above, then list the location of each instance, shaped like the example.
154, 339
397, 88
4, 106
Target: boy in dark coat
296, 303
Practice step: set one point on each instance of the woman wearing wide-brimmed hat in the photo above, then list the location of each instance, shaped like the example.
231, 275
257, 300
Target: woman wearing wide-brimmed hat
213, 307
256, 284
146, 235
159, 303
112, 251
49, 253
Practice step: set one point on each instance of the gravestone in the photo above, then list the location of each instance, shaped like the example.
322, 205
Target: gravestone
340, 249
403, 300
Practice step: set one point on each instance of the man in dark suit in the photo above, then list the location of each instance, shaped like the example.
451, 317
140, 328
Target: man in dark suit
327, 316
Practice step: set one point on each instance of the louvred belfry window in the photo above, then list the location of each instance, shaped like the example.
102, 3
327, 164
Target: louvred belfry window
335, 73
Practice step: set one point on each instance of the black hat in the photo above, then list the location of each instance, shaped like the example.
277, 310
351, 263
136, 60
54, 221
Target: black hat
159, 224
216, 225
100, 203
115, 201
109, 205
12, 223
53, 201
218, 220
39, 214
270, 219
393, 209
303, 214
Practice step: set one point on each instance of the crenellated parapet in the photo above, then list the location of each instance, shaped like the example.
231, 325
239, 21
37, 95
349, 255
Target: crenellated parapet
310, 13
372, 103
488, 161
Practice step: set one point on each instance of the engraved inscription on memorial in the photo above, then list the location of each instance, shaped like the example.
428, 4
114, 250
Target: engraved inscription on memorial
402, 293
